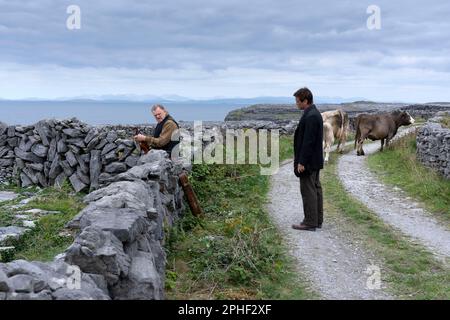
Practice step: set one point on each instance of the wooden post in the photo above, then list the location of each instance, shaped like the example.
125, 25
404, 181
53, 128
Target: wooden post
190, 195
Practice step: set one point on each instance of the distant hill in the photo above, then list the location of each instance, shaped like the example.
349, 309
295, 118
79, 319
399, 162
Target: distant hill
271, 112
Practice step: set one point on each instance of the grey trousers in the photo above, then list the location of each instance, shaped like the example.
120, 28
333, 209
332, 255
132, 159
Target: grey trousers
311, 191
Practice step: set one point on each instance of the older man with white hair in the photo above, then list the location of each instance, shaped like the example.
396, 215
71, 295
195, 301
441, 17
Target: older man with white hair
165, 136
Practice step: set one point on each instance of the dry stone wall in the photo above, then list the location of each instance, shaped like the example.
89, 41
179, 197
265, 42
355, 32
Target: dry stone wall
433, 145
118, 251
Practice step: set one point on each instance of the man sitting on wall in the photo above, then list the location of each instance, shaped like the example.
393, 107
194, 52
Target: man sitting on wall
165, 129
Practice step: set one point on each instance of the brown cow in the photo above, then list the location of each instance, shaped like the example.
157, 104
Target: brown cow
379, 127
335, 126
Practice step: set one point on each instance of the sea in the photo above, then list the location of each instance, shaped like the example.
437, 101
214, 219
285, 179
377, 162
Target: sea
101, 112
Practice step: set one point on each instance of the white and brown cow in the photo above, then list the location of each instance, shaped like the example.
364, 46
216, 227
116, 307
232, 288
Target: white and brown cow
379, 127
335, 126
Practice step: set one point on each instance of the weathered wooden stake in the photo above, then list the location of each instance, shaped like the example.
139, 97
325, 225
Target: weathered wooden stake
190, 195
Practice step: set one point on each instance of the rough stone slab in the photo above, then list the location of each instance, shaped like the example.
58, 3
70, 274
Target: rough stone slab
116, 167
123, 194
40, 150
95, 167
11, 232
70, 157
143, 282
99, 252
77, 184
4, 283
61, 146
55, 168
28, 156
125, 223
7, 195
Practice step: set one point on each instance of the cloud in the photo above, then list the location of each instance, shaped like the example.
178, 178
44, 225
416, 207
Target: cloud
243, 46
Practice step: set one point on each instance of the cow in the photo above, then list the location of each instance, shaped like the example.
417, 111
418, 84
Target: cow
379, 127
335, 126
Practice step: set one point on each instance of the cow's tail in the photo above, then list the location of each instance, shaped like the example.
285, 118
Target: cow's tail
358, 132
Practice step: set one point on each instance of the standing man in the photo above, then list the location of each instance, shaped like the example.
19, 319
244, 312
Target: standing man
308, 160
165, 136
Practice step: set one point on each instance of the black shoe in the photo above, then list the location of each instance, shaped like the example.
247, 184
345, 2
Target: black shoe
303, 227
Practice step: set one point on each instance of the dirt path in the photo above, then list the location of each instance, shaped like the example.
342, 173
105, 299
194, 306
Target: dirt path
335, 265
391, 204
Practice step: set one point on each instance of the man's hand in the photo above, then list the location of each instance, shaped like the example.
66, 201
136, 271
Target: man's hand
139, 138
300, 168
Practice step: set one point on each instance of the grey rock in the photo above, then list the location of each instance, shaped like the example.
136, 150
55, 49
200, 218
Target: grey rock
28, 156
52, 150
31, 175
11, 232
131, 161
59, 181
35, 166
73, 133
66, 167
13, 142
116, 167
95, 167
11, 131
126, 224
92, 144
43, 133
153, 156
83, 166
77, 184
111, 136
39, 150
83, 177
61, 146
76, 142
55, 168
4, 283
123, 194
6, 162
70, 157
85, 157
91, 135
25, 181
143, 282
22, 283
108, 148
99, 252
74, 149
110, 157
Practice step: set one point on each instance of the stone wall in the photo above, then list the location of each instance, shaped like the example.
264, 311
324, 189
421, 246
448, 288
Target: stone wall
47, 153
118, 251
433, 145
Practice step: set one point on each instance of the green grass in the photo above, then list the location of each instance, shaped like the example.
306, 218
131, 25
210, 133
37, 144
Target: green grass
234, 252
446, 122
410, 271
398, 166
44, 241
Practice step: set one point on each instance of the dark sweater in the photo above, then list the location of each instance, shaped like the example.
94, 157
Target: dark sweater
308, 145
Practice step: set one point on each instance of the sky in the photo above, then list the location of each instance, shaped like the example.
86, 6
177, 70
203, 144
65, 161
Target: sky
227, 48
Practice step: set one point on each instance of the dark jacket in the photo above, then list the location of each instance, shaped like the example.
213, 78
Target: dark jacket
162, 136
308, 145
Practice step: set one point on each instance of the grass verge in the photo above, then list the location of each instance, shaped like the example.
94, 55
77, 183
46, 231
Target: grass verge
398, 166
409, 271
45, 241
234, 252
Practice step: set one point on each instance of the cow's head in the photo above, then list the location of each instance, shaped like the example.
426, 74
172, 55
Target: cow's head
405, 119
